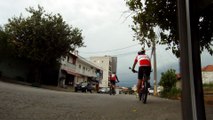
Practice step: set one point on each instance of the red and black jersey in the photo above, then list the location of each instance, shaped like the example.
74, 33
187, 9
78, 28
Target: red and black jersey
113, 77
143, 60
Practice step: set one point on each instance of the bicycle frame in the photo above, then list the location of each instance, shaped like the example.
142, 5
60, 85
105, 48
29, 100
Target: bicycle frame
143, 89
112, 89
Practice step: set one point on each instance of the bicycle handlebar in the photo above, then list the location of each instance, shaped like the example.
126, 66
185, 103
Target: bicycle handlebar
134, 71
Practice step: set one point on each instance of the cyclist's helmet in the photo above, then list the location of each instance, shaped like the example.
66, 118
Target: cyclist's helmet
142, 51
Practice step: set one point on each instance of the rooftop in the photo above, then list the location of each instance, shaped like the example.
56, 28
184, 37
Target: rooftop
208, 68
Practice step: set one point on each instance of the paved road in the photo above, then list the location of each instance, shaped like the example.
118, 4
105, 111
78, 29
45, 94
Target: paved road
20, 102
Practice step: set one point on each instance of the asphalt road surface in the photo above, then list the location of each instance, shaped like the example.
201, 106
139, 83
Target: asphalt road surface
19, 102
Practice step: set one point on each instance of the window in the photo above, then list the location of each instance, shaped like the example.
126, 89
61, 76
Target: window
70, 60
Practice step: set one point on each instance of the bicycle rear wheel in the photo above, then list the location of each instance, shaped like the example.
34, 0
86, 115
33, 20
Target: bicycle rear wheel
144, 93
140, 95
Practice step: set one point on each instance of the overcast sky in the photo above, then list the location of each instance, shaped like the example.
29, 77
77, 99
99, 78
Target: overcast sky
105, 28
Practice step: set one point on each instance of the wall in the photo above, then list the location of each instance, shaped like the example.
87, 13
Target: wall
103, 62
207, 77
14, 68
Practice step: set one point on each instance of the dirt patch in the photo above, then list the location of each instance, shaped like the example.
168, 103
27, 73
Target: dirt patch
208, 99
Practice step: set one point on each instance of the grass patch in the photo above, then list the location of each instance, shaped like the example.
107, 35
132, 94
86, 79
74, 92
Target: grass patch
210, 85
173, 93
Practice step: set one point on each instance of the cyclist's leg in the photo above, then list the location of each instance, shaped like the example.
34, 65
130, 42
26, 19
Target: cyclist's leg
147, 72
110, 87
139, 85
113, 87
140, 78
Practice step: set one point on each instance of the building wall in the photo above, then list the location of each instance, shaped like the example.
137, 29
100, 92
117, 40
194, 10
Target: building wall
82, 69
85, 70
68, 64
114, 64
207, 77
108, 64
179, 84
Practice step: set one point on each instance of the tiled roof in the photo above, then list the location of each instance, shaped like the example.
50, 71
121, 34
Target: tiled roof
178, 76
208, 68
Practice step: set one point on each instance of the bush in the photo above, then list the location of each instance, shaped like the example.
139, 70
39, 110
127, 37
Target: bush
0, 74
173, 93
168, 79
210, 85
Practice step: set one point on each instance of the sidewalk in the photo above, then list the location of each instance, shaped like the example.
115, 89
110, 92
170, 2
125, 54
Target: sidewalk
69, 89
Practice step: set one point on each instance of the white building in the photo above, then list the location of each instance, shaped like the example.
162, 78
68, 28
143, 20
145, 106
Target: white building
87, 70
207, 74
75, 69
108, 64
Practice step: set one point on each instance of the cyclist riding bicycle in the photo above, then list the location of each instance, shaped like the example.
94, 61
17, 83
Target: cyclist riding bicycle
144, 64
113, 78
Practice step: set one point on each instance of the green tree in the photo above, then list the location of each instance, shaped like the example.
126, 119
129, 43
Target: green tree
42, 39
161, 15
4, 47
168, 80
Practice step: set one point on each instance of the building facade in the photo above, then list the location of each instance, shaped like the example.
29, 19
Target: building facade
108, 64
207, 74
75, 69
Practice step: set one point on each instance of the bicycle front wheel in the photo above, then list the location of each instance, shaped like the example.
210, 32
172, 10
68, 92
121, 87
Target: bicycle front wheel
144, 93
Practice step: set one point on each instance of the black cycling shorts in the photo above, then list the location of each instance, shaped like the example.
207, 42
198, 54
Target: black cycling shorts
112, 82
144, 69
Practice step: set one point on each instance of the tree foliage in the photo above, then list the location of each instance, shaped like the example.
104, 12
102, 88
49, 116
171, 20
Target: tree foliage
168, 79
4, 47
159, 18
42, 39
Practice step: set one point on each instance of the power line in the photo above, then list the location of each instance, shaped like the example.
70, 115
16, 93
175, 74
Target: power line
127, 53
112, 50
122, 54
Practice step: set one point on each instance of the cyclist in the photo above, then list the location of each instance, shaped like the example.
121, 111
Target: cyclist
113, 78
144, 64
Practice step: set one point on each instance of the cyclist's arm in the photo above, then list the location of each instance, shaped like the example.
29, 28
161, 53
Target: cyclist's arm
117, 78
134, 64
150, 63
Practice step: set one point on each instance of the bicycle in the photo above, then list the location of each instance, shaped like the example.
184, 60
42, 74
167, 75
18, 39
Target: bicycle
144, 87
112, 89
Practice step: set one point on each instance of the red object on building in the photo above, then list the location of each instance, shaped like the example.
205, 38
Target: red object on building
208, 68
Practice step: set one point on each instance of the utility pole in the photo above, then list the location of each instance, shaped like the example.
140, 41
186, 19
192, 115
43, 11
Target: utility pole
155, 68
